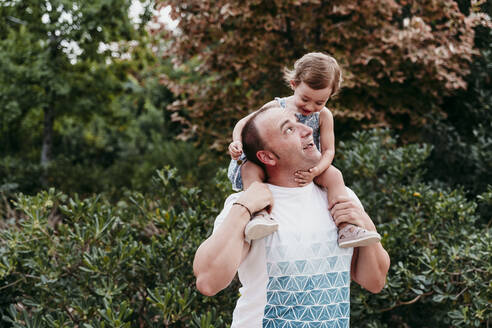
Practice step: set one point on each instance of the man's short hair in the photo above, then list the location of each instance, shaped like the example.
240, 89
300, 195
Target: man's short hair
250, 136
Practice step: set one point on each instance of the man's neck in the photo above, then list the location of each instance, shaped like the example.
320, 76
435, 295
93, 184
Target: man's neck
282, 179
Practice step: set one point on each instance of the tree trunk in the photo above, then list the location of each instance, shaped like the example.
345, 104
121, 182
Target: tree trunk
46, 150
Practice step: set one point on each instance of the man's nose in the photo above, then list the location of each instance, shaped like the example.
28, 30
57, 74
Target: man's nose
306, 131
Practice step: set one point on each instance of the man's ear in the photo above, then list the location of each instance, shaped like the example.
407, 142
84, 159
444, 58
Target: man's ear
266, 157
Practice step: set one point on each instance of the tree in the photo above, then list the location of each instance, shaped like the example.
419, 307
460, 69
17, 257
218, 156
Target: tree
399, 57
54, 59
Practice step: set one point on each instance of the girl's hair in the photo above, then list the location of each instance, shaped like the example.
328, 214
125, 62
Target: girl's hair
317, 70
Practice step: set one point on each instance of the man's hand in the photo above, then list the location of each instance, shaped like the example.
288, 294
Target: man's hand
257, 197
346, 209
304, 177
235, 149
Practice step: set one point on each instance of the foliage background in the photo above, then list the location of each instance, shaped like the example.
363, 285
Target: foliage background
112, 136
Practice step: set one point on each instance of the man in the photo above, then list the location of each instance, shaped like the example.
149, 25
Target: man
298, 276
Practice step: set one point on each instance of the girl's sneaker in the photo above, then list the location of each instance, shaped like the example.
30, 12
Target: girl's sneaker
354, 236
260, 226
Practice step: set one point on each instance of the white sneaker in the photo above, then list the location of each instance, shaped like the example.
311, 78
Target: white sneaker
261, 225
354, 236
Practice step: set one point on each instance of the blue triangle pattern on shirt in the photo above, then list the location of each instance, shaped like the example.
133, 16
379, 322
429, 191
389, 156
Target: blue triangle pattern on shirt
343, 323
283, 281
308, 299
325, 314
332, 276
331, 309
301, 265
292, 285
345, 309
284, 267
298, 311
332, 261
340, 281
291, 300
345, 293
270, 311
309, 284
269, 323
332, 293
301, 282
331, 324
324, 282
273, 299
317, 296
307, 316
317, 278
345, 278
317, 311
308, 293
338, 296
282, 297
296, 324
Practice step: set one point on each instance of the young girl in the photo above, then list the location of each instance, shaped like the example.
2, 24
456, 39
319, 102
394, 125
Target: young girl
315, 78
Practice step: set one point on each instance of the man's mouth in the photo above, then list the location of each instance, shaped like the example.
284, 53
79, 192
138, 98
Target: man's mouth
308, 145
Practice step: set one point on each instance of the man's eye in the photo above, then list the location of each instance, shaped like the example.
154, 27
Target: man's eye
289, 130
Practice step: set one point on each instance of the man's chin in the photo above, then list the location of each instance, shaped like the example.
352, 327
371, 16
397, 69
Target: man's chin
313, 159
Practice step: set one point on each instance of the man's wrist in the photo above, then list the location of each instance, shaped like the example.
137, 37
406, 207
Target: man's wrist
244, 207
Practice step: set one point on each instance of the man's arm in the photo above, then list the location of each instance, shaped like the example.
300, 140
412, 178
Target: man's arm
218, 258
370, 264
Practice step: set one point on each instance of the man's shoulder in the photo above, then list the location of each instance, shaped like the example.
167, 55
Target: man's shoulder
350, 193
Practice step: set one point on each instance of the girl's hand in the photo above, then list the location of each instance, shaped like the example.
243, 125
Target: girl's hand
235, 149
304, 177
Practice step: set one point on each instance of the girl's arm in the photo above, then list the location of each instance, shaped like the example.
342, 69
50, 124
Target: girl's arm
327, 140
236, 146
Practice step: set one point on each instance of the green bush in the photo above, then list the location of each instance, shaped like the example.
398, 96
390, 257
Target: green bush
440, 253
67, 261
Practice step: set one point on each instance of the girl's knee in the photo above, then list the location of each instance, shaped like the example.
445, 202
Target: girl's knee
334, 173
331, 176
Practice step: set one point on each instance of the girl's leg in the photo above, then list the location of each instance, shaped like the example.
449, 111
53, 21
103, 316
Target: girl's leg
262, 224
349, 235
332, 180
250, 172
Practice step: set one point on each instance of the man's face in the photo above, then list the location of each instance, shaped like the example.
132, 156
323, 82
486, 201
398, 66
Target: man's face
289, 141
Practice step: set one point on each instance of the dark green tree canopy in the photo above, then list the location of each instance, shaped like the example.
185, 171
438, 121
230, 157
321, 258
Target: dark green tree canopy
60, 58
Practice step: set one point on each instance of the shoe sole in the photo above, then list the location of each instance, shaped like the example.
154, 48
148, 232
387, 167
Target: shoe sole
359, 242
260, 231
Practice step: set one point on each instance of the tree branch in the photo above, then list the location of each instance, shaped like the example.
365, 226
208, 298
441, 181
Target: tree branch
406, 302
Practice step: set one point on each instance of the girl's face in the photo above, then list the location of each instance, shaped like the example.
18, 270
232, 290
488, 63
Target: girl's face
307, 100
